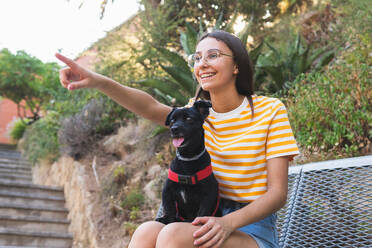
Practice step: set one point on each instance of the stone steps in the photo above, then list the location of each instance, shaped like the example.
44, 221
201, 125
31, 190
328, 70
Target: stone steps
28, 188
26, 210
34, 223
30, 215
19, 237
18, 169
20, 162
16, 178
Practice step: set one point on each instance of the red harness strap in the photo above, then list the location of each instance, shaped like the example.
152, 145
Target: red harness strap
200, 175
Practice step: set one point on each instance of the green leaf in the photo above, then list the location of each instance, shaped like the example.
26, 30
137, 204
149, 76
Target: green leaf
166, 87
219, 21
275, 72
243, 35
188, 39
175, 59
185, 80
276, 52
325, 59
255, 53
230, 25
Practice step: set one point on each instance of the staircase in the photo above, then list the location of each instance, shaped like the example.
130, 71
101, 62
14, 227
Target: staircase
30, 215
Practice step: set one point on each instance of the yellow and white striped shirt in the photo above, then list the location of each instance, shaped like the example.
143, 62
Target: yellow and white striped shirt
240, 146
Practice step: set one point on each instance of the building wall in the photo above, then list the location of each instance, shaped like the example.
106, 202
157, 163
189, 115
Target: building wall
8, 113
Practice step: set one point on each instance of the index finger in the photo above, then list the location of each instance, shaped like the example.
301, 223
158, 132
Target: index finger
72, 64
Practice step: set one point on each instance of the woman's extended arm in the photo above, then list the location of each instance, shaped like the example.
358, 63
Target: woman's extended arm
270, 202
139, 102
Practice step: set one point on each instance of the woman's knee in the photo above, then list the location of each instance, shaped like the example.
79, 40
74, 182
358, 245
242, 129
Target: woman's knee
146, 234
175, 235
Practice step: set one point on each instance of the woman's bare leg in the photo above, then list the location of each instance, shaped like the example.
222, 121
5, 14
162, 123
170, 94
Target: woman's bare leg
179, 235
145, 235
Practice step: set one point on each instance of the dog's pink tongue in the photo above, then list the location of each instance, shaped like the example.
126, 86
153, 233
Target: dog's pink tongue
177, 142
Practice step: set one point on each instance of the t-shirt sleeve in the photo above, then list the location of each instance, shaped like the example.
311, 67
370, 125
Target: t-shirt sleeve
280, 138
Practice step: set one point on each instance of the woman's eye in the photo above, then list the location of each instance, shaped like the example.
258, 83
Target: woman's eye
212, 55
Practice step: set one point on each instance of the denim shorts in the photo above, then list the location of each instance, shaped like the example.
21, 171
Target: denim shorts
264, 232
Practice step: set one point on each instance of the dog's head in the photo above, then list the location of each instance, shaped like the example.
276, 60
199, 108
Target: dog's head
186, 124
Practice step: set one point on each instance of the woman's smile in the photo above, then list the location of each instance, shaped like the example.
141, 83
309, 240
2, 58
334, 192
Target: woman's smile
207, 76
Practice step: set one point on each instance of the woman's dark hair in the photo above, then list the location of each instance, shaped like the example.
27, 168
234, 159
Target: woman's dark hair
244, 79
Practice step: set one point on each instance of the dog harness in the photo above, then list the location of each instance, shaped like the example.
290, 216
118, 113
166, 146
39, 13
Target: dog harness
194, 179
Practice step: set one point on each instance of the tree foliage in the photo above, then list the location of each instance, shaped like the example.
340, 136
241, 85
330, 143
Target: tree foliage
26, 78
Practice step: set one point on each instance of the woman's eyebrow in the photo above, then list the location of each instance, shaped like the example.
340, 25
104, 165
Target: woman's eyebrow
212, 49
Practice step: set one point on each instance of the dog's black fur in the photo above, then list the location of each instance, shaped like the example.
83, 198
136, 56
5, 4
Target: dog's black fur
184, 202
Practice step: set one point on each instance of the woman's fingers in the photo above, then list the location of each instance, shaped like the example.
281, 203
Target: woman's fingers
78, 85
69, 62
212, 233
205, 226
63, 76
73, 76
209, 239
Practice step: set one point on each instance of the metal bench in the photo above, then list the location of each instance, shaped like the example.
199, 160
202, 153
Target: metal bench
329, 205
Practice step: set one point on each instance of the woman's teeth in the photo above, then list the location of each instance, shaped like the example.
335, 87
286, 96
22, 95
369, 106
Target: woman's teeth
207, 75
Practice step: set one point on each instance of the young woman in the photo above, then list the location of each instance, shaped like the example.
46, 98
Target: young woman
248, 137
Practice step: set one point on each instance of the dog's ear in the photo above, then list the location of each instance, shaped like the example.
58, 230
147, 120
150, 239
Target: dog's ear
203, 108
167, 120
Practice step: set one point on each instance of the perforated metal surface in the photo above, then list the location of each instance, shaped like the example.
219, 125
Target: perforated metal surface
329, 205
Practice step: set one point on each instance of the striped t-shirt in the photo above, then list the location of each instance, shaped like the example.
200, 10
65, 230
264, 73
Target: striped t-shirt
240, 146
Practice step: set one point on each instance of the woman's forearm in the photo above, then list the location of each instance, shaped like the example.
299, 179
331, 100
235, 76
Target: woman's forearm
257, 210
136, 101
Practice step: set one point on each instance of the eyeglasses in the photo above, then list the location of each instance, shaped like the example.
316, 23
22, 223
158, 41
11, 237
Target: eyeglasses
212, 55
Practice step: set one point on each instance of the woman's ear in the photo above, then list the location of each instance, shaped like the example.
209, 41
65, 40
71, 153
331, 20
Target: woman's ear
236, 70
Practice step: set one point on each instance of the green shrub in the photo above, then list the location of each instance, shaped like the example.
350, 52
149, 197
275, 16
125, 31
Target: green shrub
133, 199
129, 227
135, 213
76, 134
332, 111
119, 175
18, 129
41, 139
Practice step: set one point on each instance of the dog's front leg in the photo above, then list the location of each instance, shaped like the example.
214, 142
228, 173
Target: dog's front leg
169, 206
209, 203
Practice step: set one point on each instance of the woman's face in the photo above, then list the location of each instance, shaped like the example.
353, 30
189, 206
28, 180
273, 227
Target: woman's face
215, 73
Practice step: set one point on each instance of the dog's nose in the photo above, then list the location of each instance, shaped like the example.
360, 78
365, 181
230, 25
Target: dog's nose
174, 129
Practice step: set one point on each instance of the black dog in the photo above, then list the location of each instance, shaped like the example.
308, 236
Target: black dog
191, 189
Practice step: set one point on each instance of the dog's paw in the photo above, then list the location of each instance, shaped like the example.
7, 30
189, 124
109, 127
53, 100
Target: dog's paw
161, 220
165, 220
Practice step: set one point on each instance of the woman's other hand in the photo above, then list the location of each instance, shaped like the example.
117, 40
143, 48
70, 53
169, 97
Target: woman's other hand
75, 76
212, 233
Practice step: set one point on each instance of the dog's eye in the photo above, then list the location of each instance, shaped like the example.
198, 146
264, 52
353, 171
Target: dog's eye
188, 119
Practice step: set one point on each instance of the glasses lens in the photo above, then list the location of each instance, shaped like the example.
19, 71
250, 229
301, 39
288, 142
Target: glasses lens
212, 54
191, 60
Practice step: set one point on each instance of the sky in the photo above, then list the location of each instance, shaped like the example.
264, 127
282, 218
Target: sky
44, 27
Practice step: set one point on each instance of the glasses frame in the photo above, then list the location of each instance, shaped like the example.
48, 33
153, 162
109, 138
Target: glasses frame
191, 59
